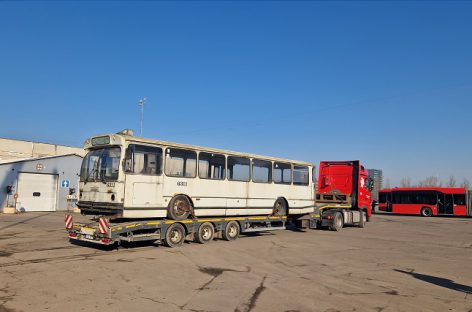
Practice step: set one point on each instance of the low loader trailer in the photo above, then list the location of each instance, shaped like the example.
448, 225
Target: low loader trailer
172, 233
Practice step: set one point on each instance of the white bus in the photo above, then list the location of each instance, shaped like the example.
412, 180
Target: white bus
130, 177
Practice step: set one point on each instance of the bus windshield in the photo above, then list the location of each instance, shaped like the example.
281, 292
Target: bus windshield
101, 165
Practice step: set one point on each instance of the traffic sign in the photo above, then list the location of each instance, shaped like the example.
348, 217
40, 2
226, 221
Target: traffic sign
65, 183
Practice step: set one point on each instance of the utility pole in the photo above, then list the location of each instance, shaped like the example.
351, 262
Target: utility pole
141, 104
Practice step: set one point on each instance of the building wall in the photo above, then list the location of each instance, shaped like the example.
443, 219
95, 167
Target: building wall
66, 167
16, 150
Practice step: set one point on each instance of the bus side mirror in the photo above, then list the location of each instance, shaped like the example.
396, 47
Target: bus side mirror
9, 189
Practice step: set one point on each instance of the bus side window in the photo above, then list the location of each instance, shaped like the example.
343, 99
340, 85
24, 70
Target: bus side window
459, 199
261, 171
181, 163
300, 175
211, 166
282, 173
143, 160
238, 169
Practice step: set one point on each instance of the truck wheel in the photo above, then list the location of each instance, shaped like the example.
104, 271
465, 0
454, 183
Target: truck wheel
426, 212
280, 208
179, 208
231, 231
175, 235
362, 220
338, 222
205, 233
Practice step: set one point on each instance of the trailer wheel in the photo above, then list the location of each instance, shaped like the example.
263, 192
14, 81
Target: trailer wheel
338, 222
231, 231
179, 208
362, 220
175, 235
426, 212
205, 233
280, 208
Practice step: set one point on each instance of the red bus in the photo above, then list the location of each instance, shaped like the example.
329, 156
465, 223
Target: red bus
426, 201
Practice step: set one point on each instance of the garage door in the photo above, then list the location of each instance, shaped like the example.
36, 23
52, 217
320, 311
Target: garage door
37, 192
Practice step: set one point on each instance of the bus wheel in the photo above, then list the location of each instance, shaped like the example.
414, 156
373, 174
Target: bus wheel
280, 208
179, 208
426, 212
363, 220
205, 233
338, 222
175, 235
231, 231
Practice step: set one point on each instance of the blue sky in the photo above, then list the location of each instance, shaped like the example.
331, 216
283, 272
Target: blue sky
389, 83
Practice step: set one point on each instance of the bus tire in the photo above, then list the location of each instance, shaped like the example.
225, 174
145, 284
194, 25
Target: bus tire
426, 212
280, 208
205, 233
231, 231
179, 208
175, 235
363, 220
338, 222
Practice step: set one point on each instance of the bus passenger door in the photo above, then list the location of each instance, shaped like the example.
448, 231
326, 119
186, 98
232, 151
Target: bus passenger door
449, 204
441, 204
389, 202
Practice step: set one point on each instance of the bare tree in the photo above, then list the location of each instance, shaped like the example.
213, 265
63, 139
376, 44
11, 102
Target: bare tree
430, 181
465, 183
405, 182
452, 182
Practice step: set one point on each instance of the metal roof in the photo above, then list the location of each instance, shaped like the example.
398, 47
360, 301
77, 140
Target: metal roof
11, 161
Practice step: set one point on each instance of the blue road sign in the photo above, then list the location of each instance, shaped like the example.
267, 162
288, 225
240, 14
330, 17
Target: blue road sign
65, 183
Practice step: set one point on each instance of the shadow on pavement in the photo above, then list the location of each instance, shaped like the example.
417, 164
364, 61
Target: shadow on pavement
439, 281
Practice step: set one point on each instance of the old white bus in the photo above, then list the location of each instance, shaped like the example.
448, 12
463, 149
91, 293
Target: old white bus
132, 177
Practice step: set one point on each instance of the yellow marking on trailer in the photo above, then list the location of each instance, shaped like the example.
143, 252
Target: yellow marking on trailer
336, 206
234, 219
183, 221
210, 220
132, 225
154, 223
257, 218
87, 228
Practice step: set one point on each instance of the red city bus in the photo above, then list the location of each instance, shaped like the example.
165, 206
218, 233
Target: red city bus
426, 201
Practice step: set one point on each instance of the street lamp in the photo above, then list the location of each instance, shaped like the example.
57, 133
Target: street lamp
141, 104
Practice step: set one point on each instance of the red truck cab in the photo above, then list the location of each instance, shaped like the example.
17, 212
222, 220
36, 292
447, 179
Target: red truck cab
344, 184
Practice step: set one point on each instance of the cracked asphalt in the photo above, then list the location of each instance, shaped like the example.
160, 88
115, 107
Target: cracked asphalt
396, 263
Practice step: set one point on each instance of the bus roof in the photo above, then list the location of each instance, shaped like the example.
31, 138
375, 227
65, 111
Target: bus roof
449, 190
132, 138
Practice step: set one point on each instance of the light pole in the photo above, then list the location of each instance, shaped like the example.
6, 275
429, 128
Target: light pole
141, 104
